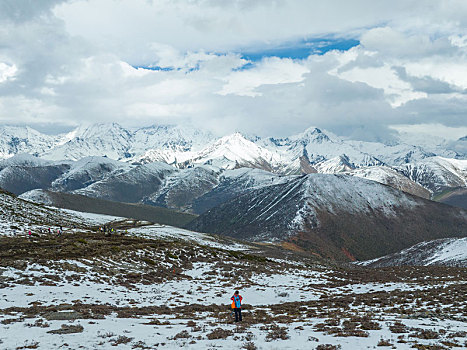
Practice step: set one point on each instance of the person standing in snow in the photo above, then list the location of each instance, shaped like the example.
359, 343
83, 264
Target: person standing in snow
237, 305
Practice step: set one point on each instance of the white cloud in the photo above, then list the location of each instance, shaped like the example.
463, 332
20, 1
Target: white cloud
268, 71
392, 43
435, 129
7, 71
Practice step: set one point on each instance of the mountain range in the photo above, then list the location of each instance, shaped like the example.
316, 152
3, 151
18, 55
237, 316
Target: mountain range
425, 169
340, 199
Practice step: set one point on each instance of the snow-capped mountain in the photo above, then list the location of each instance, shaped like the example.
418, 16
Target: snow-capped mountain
19, 139
312, 151
235, 151
109, 140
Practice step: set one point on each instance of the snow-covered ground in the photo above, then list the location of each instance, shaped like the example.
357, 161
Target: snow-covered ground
102, 302
138, 334
174, 233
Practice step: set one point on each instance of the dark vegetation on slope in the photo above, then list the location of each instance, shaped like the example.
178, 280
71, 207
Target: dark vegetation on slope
456, 197
128, 210
363, 237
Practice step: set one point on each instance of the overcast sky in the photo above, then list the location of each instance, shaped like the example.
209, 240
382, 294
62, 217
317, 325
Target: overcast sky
360, 68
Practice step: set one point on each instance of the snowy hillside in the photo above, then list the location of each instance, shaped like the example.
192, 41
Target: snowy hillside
334, 215
17, 216
437, 173
439, 252
391, 177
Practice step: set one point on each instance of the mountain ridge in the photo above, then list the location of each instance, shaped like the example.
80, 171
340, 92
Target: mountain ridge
313, 150
336, 216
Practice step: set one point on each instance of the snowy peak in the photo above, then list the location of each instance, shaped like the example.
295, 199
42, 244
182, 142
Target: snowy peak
312, 135
335, 165
235, 150
101, 131
169, 137
16, 139
109, 140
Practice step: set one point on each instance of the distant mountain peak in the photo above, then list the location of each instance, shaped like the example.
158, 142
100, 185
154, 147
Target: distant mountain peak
313, 135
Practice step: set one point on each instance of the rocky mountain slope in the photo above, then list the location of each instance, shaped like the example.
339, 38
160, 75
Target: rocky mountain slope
439, 252
336, 216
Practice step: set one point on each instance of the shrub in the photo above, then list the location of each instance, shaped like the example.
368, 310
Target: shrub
384, 342
219, 333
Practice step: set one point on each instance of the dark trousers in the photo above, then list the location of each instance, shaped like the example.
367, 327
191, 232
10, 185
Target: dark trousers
238, 314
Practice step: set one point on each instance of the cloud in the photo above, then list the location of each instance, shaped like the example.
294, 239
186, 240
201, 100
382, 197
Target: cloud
235, 65
7, 71
427, 84
390, 42
25, 10
270, 71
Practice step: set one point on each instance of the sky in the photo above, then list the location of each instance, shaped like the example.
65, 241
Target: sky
362, 69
